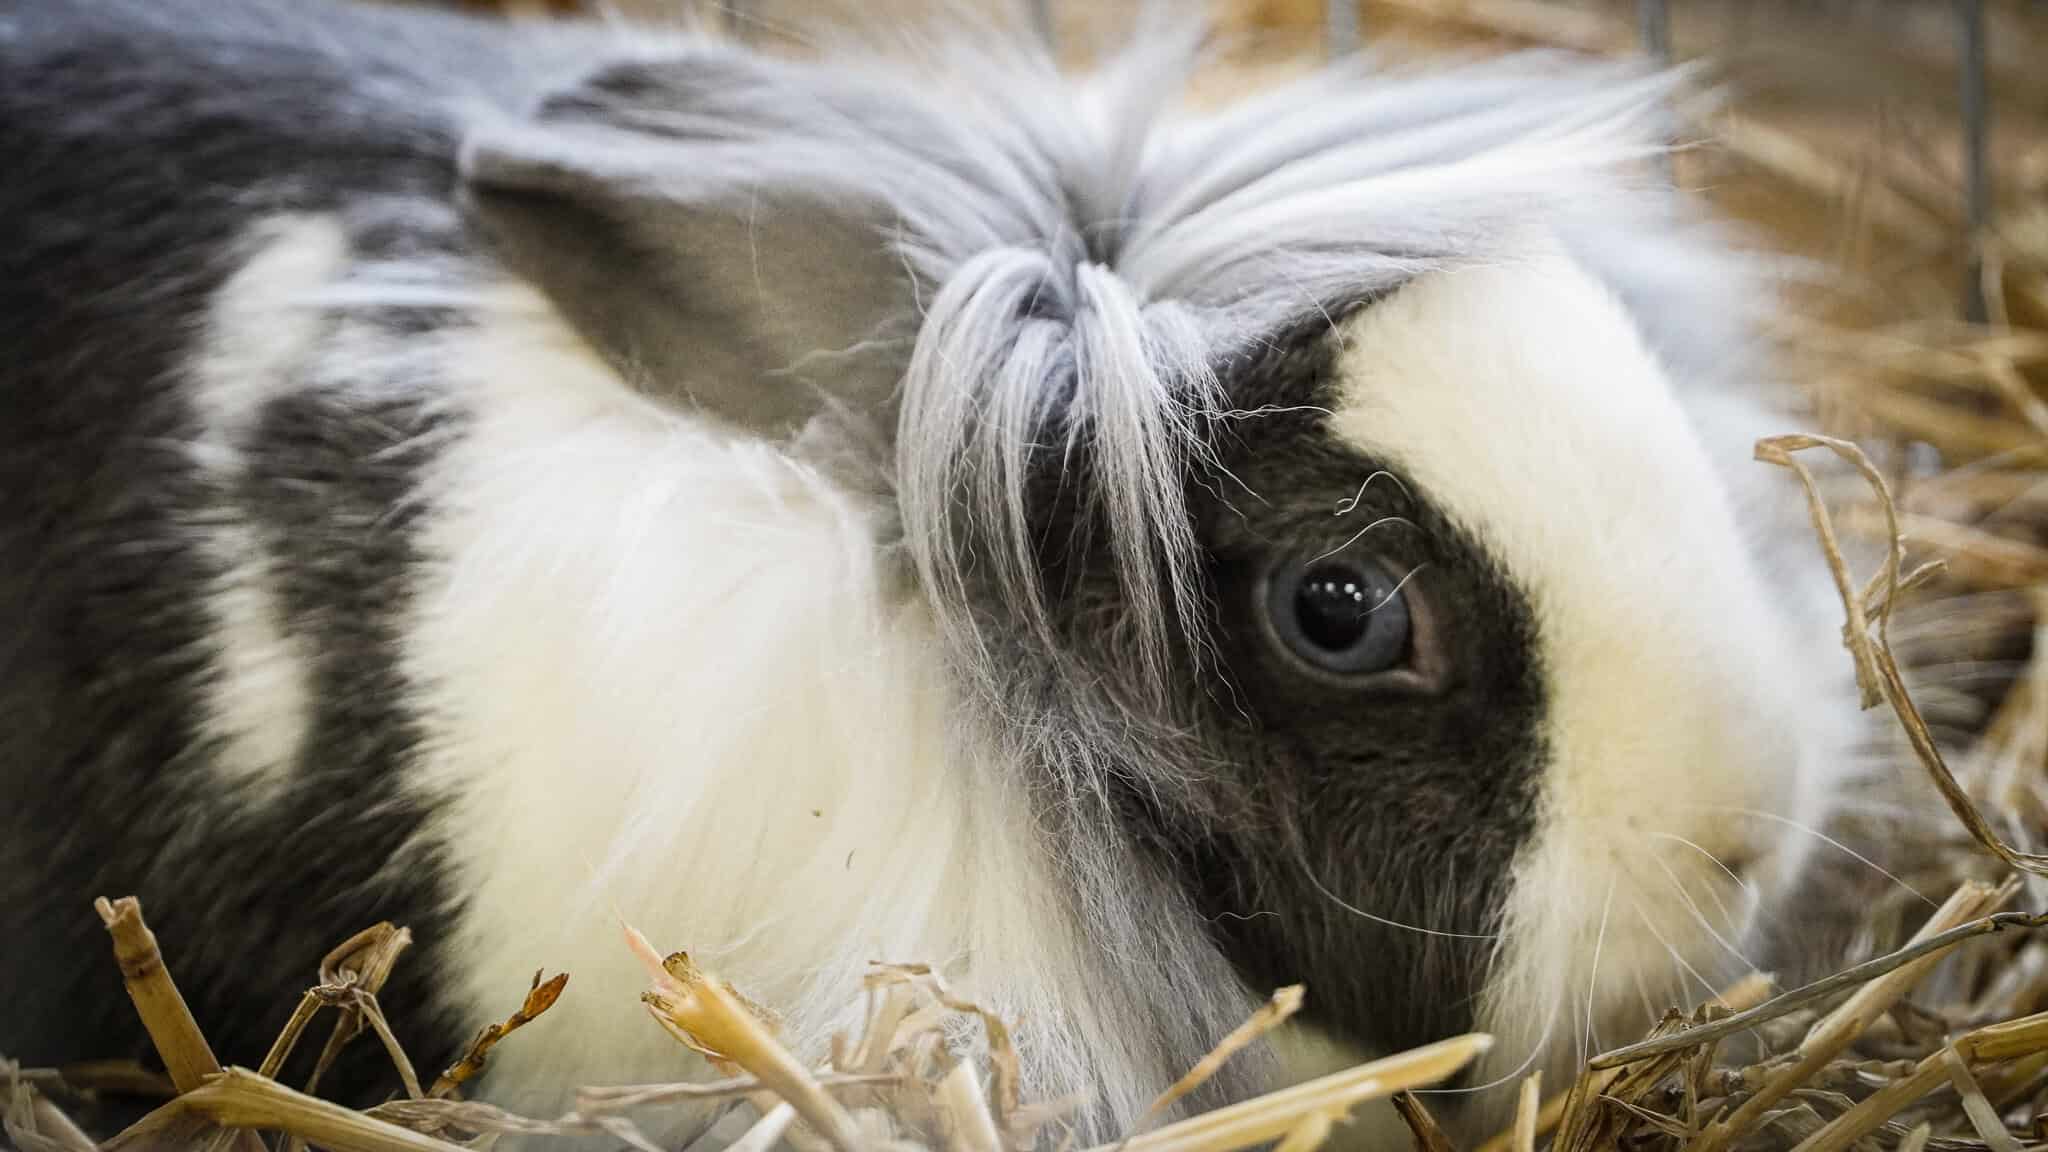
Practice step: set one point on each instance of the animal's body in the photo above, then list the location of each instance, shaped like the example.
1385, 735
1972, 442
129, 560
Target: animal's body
492, 480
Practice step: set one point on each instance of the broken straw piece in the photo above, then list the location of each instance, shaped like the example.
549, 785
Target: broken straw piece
1273, 1116
539, 998
1284, 1003
1983, 1117
713, 1019
1429, 1137
1877, 672
183, 1047
165, 1016
969, 1125
1527, 1106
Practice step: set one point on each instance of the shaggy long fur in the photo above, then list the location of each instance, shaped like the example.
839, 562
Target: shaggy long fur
809, 507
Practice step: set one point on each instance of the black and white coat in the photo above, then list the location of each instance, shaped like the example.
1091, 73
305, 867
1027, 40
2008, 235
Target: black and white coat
875, 506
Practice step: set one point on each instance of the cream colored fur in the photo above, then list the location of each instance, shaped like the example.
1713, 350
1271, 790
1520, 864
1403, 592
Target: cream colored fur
673, 682
1682, 690
257, 706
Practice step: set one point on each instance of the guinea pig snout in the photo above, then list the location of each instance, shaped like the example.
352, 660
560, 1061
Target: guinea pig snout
1681, 772
1712, 796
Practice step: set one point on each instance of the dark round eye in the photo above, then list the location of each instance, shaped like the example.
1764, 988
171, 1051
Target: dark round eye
1345, 616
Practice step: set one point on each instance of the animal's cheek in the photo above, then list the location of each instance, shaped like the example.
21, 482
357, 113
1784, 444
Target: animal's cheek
1680, 765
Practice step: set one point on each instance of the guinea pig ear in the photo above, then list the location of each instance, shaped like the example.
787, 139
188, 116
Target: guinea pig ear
712, 264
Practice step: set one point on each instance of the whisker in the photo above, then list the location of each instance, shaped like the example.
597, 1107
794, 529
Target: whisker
1535, 1054
1593, 980
1650, 1010
1679, 959
1361, 913
1344, 507
1579, 1030
1241, 917
1273, 410
1235, 479
1396, 589
1747, 963
1748, 889
1360, 534
1694, 908
1825, 839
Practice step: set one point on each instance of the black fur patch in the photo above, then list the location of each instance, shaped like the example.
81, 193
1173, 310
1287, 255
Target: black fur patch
1261, 785
140, 142
1409, 807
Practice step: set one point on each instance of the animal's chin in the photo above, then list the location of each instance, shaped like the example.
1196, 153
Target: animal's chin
1663, 959
1603, 939
1598, 963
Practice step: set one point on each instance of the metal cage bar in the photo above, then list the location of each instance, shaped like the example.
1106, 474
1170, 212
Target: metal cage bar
1653, 26
1042, 22
1974, 98
1341, 33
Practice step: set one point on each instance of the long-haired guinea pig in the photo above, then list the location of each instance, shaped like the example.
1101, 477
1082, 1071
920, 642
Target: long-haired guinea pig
891, 504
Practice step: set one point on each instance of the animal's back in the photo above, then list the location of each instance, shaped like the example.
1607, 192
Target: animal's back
145, 144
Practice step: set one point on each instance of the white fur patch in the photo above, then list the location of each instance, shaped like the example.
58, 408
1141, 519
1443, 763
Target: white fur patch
255, 339
1519, 397
668, 679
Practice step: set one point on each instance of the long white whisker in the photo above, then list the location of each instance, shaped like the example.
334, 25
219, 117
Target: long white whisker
1593, 979
1346, 506
1270, 410
1825, 839
1747, 963
1694, 908
1340, 902
1679, 959
1748, 889
1396, 589
1535, 1054
1650, 1012
1360, 534
1579, 1054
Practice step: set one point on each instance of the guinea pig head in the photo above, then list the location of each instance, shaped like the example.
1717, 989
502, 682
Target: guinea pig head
1315, 528
1526, 728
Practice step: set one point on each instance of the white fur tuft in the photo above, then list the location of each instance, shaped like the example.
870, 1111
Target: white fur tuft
252, 350
671, 680
1679, 695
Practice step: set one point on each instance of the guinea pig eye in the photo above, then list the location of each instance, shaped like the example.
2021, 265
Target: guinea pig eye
1349, 617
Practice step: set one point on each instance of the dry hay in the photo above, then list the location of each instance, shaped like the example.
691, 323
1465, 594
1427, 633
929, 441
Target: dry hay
1931, 1035
898, 1086
1877, 1055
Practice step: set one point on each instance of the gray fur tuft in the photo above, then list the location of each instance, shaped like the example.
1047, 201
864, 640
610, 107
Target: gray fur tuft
1081, 261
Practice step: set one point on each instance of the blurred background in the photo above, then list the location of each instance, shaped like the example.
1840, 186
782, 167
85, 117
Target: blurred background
1896, 151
